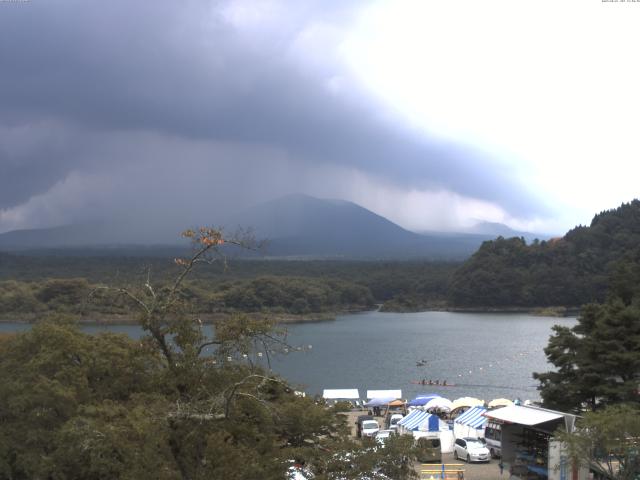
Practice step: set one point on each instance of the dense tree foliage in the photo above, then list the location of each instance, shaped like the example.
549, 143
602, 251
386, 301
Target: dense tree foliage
569, 271
291, 295
607, 441
33, 286
182, 403
74, 405
597, 361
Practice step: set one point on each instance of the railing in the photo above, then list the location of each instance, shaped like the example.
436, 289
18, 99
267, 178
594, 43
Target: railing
442, 471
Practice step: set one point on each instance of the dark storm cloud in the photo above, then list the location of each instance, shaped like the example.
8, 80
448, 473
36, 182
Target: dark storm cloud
181, 69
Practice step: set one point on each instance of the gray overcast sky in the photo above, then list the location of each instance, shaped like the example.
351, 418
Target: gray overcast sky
431, 116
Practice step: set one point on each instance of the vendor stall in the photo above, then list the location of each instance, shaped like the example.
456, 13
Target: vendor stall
529, 449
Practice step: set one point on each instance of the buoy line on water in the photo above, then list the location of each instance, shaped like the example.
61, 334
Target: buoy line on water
501, 387
476, 385
476, 369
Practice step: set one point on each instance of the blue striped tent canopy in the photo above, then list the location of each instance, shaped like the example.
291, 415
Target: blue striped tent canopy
415, 419
473, 417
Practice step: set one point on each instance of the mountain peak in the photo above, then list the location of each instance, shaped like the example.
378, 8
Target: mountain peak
295, 225
304, 199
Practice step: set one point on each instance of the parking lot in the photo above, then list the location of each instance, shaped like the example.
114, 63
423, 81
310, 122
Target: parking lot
471, 471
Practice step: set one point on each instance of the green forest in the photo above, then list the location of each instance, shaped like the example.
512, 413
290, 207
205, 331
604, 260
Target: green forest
286, 295
503, 274
33, 285
569, 271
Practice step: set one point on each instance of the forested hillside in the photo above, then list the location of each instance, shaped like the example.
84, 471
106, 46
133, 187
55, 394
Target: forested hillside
280, 295
503, 273
31, 286
568, 271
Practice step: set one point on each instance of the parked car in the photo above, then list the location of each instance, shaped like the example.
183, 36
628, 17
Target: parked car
359, 421
471, 450
370, 428
382, 436
493, 437
392, 419
429, 450
298, 472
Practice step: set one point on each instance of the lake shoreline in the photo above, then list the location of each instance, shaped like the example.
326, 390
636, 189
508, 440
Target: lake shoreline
208, 319
317, 317
559, 312
556, 311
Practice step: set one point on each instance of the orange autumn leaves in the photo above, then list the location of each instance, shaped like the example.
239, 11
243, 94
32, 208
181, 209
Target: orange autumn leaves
207, 237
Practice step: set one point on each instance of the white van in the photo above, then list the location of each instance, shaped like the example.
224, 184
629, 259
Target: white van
392, 420
370, 428
493, 437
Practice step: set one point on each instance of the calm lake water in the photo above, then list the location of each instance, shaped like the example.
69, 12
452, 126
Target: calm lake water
485, 355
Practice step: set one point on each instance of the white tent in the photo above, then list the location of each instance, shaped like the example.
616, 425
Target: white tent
440, 403
379, 401
500, 402
384, 393
341, 394
467, 402
446, 441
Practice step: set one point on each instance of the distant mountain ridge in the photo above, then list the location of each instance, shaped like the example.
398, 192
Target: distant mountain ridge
496, 229
297, 226
492, 230
89, 234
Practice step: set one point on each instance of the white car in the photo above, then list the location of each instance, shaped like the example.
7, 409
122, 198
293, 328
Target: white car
370, 428
471, 450
296, 472
382, 435
394, 419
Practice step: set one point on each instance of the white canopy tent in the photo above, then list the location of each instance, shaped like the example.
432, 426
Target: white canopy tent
439, 403
500, 402
466, 402
384, 394
379, 402
341, 394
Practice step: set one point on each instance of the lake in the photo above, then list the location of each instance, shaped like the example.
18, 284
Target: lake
486, 355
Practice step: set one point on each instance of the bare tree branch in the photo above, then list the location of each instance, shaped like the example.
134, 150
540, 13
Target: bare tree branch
207, 344
148, 283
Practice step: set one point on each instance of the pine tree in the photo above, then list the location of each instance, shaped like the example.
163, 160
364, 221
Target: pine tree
597, 361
